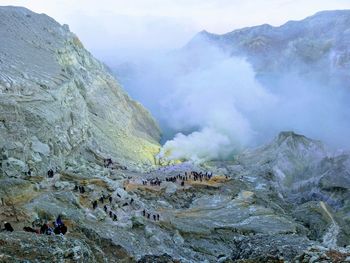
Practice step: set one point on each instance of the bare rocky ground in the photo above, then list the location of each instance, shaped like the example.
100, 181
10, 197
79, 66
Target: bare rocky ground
247, 212
60, 109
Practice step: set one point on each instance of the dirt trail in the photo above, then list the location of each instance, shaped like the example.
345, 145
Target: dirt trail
330, 237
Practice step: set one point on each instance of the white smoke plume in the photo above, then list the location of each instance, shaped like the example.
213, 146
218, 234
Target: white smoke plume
210, 105
207, 97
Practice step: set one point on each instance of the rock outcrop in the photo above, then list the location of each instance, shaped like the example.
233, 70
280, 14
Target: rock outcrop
59, 106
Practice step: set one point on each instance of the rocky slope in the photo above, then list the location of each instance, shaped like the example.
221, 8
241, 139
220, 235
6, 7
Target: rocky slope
247, 212
317, 46
287, 201
59, 106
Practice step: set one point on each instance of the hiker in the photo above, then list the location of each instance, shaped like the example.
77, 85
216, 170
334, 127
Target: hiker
46, 229
144, 212
61, 229
64, 229
29, 229
110, 214
81, 189
183, 183
8, 227
94, 204
76, 188
59, 221
148, 215
50, 173
105, 208
154, 217
110, 199
102, 199
131, 201
158, 217
115, 217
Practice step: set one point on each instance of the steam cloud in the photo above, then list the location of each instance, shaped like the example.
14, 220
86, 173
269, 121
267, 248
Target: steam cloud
210, 104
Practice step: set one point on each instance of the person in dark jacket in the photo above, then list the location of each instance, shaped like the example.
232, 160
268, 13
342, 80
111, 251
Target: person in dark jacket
8, 227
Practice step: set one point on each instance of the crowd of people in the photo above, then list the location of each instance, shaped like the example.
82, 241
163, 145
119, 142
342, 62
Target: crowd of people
199, 176
195, 176
109, 200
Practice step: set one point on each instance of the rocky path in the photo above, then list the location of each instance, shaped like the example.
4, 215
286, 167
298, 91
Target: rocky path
330, 237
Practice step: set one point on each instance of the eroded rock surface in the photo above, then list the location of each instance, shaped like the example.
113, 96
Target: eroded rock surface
60, 106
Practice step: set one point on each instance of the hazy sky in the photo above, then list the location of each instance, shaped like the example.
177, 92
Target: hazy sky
106, 25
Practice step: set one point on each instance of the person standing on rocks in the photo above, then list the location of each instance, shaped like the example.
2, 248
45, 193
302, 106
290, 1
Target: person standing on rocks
8, 227
94, 204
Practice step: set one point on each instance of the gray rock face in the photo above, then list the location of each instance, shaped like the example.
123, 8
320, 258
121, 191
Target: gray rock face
58, 103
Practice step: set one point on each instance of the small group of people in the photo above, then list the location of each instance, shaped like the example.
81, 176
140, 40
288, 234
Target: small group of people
179, 177
108, 163
153, 182
79, 188
58, 228
102, 199
111, 214
29, 173
199, 176
148, 215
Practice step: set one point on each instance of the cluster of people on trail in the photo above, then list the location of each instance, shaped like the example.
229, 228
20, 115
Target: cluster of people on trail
180, 178
109, 199
29, 173
108, 163
153, 182
109, 212
79, 188
148, 215
57, 228
102, 199
199, 176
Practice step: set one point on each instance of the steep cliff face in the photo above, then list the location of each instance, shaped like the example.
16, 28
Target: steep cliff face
59, 105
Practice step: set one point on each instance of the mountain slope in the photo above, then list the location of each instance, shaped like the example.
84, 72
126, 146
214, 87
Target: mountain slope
59, 104
317, 43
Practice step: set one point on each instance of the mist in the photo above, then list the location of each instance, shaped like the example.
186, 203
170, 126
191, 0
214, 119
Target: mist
211, 105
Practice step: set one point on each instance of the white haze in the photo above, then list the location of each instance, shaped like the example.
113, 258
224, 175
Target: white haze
210, 105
